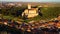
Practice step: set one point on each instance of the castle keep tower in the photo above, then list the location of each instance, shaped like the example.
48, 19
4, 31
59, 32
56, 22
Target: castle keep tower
29, 6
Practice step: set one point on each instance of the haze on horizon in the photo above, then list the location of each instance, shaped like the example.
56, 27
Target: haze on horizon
29, 0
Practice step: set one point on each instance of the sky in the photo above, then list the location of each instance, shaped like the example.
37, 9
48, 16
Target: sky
30, 0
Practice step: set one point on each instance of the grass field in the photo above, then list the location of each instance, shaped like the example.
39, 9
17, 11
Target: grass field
48, 13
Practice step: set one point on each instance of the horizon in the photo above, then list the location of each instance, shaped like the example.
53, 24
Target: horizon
57, 1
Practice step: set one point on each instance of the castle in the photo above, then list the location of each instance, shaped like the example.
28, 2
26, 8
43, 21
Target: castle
30, 12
